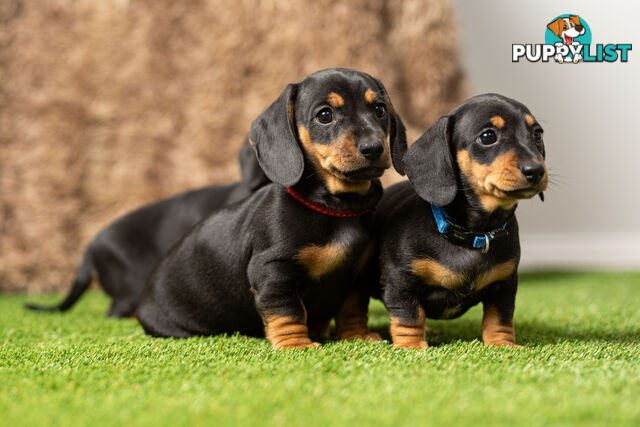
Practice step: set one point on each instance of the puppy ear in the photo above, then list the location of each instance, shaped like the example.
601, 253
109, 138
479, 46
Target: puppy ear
575, 19
252, 173
429, 165
555, 27
397, 132
275, 141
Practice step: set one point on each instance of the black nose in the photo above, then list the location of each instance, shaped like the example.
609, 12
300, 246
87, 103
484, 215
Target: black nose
533, 172
579, 28
371, 150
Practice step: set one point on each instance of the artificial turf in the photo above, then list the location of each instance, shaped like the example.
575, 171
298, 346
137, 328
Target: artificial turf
580, 364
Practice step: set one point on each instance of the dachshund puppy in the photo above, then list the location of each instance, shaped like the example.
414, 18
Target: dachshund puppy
449, 238
284, 261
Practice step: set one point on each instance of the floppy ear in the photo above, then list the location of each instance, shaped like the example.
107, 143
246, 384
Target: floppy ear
252, 173
429, 165
275, 142
555, 27
575, 19
397, 132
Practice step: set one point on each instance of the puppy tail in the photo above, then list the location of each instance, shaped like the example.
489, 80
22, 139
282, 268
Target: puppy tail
80, 285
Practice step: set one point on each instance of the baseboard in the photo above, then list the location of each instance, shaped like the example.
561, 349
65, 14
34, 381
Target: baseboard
580, 251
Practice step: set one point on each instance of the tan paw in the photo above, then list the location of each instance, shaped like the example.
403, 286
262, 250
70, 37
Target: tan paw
412, 345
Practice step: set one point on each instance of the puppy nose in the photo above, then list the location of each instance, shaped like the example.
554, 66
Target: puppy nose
533, 172
579, 28
371, 150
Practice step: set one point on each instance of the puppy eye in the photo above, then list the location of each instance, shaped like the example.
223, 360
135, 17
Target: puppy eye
325, 116
537, 135
381, 110
488, 137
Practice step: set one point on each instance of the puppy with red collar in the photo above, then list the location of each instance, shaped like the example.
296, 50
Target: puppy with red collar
286, 260
448, 239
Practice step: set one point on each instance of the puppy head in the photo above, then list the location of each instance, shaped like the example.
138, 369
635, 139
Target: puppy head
490, 144
567, 28
339, 122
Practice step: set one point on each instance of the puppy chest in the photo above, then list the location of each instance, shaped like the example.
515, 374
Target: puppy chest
471, 278
344, 251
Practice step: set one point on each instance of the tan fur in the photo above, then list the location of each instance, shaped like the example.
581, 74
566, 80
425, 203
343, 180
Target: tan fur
330, 159
497, 121
291, 109
321, 260
495, 273
287, 332
365, 257
335, 100
351, 320
409, 334
112, 104
434, 273
494, 332
529, 120
491, 181
369, 96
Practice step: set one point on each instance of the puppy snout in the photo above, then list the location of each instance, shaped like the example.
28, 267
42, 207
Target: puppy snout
579, 28
533, 172
371, 150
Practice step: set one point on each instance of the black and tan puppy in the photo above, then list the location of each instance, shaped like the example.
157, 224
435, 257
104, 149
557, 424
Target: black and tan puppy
283, 262
449, 238
123, 254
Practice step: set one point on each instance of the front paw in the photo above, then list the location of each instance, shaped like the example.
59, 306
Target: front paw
419, 345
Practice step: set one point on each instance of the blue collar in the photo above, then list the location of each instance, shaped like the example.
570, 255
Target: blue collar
461, 236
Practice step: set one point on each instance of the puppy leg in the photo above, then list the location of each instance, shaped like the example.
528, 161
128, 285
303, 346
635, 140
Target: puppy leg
287, 332
351, 320
402, 300
409, 331
277, 301
497, 321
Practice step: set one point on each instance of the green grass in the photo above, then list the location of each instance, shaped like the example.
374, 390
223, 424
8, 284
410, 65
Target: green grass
580, 365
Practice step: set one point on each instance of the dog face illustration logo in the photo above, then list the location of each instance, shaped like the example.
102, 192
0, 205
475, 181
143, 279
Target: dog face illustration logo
567, 28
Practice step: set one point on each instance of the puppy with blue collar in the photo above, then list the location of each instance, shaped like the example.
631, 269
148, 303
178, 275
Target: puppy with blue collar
448, 239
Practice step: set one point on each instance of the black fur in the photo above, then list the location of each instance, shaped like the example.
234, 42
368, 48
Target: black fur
123, 254
241, 266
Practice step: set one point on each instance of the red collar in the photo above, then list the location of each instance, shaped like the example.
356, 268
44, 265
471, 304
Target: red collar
326, 211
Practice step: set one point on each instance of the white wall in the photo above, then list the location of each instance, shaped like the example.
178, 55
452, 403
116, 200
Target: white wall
591, 216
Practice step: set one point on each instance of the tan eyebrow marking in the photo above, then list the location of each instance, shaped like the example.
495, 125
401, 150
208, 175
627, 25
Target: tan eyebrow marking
528, 118
497, 121
335, 100
369, 96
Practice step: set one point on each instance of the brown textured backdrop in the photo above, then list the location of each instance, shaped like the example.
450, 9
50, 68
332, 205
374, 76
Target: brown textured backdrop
106, 105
